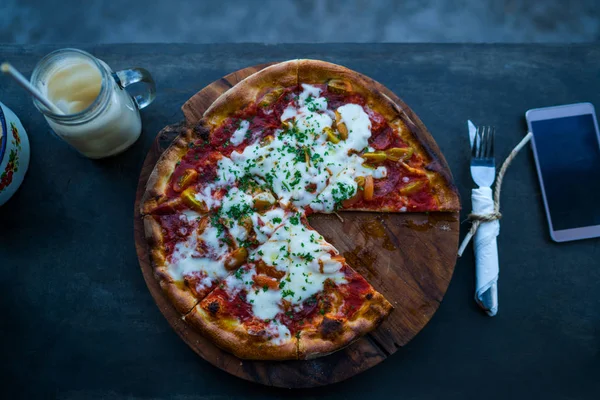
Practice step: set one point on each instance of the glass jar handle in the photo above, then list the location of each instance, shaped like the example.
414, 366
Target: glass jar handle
130, 76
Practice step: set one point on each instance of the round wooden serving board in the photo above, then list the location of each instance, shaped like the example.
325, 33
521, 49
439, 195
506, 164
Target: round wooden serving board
409, 258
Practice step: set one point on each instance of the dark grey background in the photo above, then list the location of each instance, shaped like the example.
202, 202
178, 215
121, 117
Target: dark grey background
79, 323
301, 21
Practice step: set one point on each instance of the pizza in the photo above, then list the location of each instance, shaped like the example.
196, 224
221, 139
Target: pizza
226, 208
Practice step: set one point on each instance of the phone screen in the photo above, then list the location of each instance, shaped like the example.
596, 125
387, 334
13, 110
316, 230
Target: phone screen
568, 154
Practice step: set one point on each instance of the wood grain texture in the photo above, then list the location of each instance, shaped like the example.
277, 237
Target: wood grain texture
409, 258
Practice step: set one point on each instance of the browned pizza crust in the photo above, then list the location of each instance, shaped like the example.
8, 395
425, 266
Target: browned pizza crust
231, 336
332, 334
157, 184
176, 291
321, 72
249, 90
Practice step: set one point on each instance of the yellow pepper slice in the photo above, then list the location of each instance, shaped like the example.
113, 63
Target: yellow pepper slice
263, 201
331, 136
341, 127
189, 198
271, 97
399, 153
236, 258
376, 157
339, 86
411, 188
185, 180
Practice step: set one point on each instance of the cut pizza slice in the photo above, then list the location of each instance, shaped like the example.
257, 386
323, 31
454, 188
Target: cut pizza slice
295, 290
406, 174
329, 303
243, 314
188, 174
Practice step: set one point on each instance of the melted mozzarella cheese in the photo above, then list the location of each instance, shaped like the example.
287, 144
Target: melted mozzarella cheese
238, 232
309, 251
380, 172
207, 196
213, 240
265, 224
227, 172
359, 126
265, 304
235, 199
289, 112
187, 259
305, 257
190, 215
308, 91
278, 332
275, 251
240, 133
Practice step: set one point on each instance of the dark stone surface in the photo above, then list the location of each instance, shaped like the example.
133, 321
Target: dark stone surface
78, 321
298, 21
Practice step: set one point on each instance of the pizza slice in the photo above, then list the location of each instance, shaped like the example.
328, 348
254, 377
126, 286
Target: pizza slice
330, 304
296, 298
243, 314
192, 252
189, 174
406, 175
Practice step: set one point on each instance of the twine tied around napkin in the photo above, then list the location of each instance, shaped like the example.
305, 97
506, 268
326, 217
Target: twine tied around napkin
494, 215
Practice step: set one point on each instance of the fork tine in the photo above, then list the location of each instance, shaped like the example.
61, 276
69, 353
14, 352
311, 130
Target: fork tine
480, 143
483, 142
492, 142
487, 143
475, 147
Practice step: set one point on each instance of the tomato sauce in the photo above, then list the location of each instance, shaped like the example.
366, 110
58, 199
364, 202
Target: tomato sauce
235, 306
297, 319
173, 230
194, 282
354, 292
201, 158
335, 100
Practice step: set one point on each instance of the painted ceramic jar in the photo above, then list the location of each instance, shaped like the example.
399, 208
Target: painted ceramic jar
14, 153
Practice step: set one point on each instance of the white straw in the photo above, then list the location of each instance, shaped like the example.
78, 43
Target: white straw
25, 84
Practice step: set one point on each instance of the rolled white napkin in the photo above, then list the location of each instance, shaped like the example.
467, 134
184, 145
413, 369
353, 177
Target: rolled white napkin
486, 252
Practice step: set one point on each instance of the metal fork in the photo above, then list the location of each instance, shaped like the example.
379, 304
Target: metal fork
483, 171
483, 164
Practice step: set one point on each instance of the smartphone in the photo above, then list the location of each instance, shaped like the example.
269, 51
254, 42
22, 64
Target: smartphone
566, 147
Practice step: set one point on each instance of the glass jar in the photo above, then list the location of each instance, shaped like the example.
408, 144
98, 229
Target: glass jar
111, 122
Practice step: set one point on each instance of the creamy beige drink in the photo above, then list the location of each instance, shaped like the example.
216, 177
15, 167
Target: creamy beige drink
74, 86
101, 119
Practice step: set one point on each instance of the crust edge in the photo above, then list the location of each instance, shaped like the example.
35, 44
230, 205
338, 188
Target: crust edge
368, 318
237, 341
182, 300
